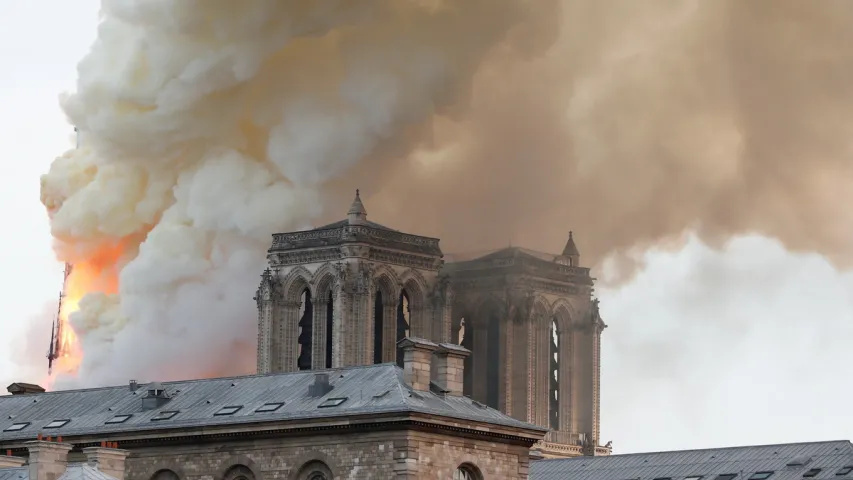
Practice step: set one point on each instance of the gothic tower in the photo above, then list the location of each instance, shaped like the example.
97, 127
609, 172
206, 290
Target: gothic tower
344, 294
534, 331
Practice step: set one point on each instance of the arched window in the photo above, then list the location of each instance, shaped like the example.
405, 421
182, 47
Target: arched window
403, 322
466, 471
165, 474
306, 327
239, 472
377, 327
554, 377
315, 470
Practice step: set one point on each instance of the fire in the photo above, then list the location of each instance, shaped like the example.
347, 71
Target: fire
96, 274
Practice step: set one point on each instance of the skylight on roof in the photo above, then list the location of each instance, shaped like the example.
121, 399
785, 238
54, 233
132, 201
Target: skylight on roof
726, 476
164, 415
17, 427
57, 424
663, 478
812, 473
228, 410
694, 477
269, 407
118, 419
761, 475
332, 402
844, 470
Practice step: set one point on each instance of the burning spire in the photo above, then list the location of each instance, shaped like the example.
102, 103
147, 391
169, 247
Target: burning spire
58, 338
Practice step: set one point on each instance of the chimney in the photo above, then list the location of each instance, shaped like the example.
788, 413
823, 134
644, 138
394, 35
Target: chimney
20, 388
320, 386
134, 385
417, 358
48, 460
450, 367
8, 461
107, 460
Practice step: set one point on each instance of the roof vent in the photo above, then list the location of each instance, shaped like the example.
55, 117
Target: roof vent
799, 462
320, 386
156, 397
20, 388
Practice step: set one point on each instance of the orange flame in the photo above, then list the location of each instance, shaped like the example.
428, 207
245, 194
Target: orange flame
97, 274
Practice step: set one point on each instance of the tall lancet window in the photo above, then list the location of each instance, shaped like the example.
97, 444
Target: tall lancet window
330, 325
554, 378
403, 324
377, 327
305, 331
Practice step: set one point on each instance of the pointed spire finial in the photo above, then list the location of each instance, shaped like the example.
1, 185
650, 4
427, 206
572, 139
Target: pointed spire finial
571, 250
357, 213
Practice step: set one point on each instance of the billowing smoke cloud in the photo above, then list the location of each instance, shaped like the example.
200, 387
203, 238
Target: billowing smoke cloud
211, 124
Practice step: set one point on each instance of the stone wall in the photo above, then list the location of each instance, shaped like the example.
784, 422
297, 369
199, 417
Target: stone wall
378, 455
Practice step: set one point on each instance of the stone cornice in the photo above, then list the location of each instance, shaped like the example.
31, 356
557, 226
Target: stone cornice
343, 424
354, 233
521, 266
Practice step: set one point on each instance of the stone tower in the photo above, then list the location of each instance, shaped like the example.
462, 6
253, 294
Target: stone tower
534, 331
344, 294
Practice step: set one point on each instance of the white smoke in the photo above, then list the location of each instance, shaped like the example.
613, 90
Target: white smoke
207, 126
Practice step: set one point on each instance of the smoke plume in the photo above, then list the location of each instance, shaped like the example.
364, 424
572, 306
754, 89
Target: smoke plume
208, 125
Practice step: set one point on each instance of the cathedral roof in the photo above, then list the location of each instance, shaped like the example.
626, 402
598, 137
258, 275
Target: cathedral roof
794, 461
515, 260
371, 390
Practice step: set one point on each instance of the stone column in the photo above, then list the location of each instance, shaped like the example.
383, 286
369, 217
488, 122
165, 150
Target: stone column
318, 331
285, 335
389, 325
107, 460
48, 460
596, 381
264, 334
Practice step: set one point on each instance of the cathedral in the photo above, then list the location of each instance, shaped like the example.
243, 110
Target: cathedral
347, 293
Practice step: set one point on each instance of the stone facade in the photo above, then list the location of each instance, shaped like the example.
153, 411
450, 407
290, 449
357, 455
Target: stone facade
403, 454
348, 292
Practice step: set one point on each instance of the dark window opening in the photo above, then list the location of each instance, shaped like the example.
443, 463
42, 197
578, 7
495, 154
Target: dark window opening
228, 410
57, 424
306, 333
118, 419
554, 377
663, 478
330, 325
269, 407
468, 363
761, 475
403, 322
164, 416
726, 476
812, 473
332, 402
844, 470
493, 362
377, 328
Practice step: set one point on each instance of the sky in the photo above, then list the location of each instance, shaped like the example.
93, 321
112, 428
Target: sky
767, 331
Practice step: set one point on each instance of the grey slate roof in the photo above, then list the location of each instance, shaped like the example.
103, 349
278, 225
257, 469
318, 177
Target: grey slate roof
829, 457
372, 389
74, 471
